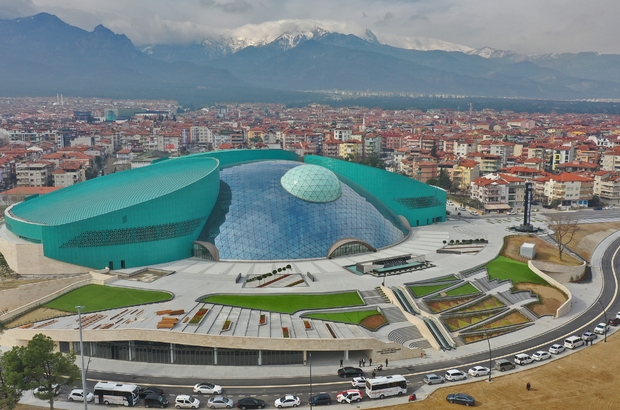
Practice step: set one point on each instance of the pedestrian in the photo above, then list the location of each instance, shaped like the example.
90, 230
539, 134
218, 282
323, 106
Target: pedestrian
528, 386
360, 362
386, 362
363, 362
340, 362
374, 374
370, 361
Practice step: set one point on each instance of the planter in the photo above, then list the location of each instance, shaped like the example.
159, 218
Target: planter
262, 320
307, 324
226, 325
285, 333
198, 317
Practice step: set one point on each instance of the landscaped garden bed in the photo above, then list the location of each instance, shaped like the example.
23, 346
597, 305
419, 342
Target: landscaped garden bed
226, 326
440, 304
458, 322
307, 324
285, 333
370, 319
423, 290
487, 303
262, 320
464, 289
197, 318
467, 338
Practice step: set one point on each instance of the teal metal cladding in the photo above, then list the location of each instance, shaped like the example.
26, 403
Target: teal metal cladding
419, 203
133, 218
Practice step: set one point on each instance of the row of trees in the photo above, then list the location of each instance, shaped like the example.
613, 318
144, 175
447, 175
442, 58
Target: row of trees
35, 365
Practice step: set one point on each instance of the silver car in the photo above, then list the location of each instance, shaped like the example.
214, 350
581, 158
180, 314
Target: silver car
219, 402
433, 379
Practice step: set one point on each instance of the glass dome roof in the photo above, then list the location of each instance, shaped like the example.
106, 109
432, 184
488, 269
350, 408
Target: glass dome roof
312, 183
255, 218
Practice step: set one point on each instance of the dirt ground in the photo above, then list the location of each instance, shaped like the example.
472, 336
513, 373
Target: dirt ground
588, 236
551, 298
41, 313
545, 252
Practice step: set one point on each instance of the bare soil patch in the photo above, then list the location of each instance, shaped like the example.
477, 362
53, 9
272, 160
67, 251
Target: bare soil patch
8, 282
588, 236
373, 322
545, 252
595, 385
550, 297
41, 313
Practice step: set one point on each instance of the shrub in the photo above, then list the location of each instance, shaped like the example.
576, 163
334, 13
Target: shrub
289, 267
274, 271
444, 242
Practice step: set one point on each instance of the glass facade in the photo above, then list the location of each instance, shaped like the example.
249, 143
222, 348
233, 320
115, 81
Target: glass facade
255, 218
155, 352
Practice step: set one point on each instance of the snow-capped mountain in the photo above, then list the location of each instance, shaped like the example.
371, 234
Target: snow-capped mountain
491, 53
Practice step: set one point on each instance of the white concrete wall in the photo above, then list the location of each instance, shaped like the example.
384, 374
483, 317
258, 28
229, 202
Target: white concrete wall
565, 308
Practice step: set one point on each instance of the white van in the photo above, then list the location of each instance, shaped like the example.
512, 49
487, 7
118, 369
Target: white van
573, 342
523, 358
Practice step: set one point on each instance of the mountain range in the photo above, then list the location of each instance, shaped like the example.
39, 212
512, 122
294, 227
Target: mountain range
42, 55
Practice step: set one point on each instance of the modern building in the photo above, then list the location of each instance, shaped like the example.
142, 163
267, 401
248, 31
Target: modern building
224, 205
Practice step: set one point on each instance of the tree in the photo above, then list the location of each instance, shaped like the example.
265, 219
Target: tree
12, 382
564, 227
48, 369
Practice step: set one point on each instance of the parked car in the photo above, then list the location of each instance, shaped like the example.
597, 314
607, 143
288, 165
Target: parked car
541, 355
503, 365
479, 371
474, 213
618, 315
589, 336
358, 381
573, 342
220, 402
145, 391
349, 371
185, 401
556, 348
349, 396
523, 359
614, 322
320, 399
207, 388
450, 203
287, 401
601, 328
42, 390
155, 400
511, 213
462, 208
454, 375
78, 395
461, 398
250, 403
433, 379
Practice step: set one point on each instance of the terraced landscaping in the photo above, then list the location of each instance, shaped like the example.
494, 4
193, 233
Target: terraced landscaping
489, 302
464, 289
456, 323
478, 337
423, 290
439, 305
287, 303
353, 317
505, 268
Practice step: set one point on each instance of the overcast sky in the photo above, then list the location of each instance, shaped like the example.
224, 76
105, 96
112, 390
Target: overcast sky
524, 26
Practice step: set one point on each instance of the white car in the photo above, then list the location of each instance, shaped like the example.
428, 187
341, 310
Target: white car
349, 396
479, 371
601, 328
454, 375
78, 395
219, 402
618, 315
287, 401
358, 381
511, 213
474, 213
207, 388
450, 203
556, 348
541, 355
42, 390
184, 401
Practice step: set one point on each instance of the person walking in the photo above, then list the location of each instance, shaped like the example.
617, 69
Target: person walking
528, 386
370, 361
341, 363
386, 362
374, 374
363, 362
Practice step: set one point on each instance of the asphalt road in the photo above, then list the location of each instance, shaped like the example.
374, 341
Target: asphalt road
274, 388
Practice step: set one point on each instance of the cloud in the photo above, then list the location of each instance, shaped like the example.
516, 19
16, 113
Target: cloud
527, 26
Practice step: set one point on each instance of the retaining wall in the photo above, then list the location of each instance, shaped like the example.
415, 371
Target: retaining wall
565, 307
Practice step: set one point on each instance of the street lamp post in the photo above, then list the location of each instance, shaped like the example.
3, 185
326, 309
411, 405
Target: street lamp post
490, 354
84, 393
605, 316
310, 359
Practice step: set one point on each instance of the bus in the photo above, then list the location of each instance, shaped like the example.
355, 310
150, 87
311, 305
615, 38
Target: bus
116, 393
381, 387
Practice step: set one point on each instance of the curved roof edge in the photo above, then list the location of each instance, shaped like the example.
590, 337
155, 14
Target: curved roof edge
237, 156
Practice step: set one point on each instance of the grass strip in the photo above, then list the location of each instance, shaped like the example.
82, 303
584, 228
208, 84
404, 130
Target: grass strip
354, 317
100, 297
287, 303
505, 268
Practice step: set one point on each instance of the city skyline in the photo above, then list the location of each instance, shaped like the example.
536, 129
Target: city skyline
526, 27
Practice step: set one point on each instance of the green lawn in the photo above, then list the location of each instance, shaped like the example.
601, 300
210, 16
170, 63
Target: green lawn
423, 290
506, 268
288, 303
354, 317
99, 297
465, 289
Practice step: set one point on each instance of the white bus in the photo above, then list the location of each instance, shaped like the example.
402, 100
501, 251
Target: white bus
116, 393
381, 387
